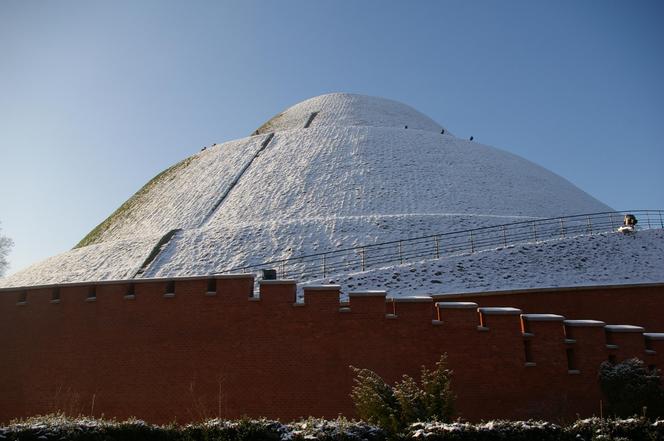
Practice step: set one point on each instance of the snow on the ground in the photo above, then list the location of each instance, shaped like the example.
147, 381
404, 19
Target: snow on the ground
355, 177
599, 259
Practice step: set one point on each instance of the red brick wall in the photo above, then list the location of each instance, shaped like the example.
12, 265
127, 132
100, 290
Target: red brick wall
195, 355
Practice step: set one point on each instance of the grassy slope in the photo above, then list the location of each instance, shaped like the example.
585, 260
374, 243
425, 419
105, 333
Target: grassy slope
125, 209
268, 126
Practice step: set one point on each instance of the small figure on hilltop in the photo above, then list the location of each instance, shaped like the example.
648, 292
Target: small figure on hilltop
629, 224
471, 138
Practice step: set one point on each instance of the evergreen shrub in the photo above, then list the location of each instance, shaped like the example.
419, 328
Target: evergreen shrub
393, 408
631, 388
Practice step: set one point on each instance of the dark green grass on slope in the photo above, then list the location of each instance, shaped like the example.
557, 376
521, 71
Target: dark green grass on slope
125, 209
269, 125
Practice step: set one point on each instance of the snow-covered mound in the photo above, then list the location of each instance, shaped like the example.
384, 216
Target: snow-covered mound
334, 171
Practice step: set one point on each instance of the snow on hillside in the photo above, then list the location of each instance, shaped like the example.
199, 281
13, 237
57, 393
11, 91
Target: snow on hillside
346, 110
106, 261
600, 259
355, 171
356, 176
363, 185
218, 247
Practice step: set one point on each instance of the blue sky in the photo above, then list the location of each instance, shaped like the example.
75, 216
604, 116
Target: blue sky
98, 97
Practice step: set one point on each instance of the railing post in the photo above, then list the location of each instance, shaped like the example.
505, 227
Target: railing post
504, 236
362, 252
661, 222
611, 221
400, 255
648, 217
562, 228
283, 270
472, 243
324, 266
435, 240
535, 232
590, 226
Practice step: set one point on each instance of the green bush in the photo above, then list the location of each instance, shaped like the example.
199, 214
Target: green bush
393, 408
631, 388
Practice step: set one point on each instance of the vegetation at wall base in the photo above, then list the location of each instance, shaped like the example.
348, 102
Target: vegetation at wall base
59, 427
631, 388
393, 408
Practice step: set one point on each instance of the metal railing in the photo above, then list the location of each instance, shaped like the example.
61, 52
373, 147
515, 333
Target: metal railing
363, 258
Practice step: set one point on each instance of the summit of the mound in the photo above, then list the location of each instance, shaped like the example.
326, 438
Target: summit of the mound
349, 110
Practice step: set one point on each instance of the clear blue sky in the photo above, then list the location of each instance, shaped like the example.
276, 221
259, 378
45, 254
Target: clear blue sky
98, 97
